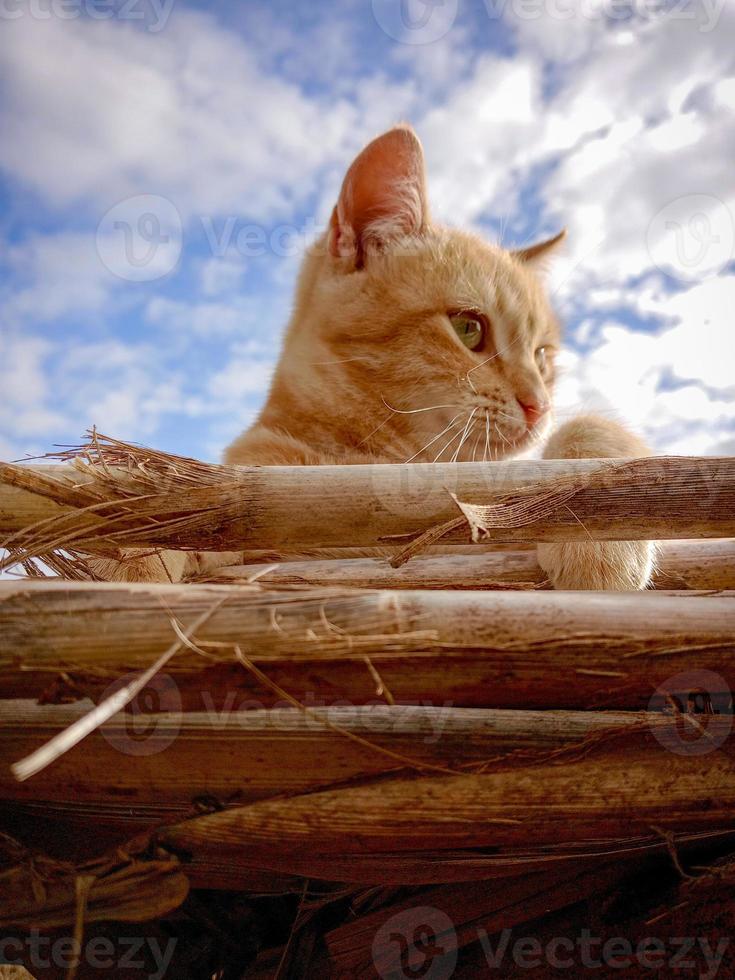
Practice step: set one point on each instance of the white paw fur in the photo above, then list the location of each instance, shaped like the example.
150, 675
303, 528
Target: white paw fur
615, 566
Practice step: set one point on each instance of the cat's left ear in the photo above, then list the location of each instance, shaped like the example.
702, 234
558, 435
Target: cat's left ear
538, 255
383, 196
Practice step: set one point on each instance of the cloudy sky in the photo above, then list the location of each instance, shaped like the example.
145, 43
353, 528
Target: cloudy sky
163, 163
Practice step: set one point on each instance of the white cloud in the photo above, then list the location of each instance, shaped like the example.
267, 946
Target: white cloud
242, 377
480, 137
53, 392
702, 344
630, 374
185, 113
594, 124
220, 275
52, 275
206, 319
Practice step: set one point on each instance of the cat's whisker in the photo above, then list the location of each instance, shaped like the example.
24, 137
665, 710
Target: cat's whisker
461, 440
465, 433
498, 430
487, 359
415, 411
477, 442
397, 411
448, 444
487, 435
376, 429
432, 441
344, 360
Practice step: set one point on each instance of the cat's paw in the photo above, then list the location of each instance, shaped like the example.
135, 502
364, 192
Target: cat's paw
612, 566
615, 566
141, 566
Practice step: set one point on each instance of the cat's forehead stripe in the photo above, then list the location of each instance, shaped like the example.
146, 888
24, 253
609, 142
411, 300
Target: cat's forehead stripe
512, 320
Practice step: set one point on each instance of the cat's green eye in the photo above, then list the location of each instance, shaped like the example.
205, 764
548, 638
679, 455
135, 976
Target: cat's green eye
540, 357
470, 328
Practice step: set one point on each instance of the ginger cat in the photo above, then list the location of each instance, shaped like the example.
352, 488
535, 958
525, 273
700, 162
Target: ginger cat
410, 341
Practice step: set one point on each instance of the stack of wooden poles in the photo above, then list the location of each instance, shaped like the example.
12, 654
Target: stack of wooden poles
328, 710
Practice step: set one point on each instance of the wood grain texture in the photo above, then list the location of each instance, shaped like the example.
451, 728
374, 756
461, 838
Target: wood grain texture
254, 507
164, 762
680, 565
628, 786
474, 649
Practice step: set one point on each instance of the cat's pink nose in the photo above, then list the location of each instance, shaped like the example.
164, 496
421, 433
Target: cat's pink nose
534, 411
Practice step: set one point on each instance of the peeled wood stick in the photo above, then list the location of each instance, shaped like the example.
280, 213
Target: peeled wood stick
452, 548
631, 786
695, 565
680, 565
322, 506
465, 571
484, 649
159, 760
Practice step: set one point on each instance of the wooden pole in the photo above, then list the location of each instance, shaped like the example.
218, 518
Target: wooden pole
680, 565
476, 649
322, 506
628, 787
163, 761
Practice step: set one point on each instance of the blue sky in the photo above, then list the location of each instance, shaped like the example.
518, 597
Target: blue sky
163, 165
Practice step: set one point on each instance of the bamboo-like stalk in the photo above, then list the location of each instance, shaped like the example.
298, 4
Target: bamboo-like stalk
161, 762
629, 786
226, 508
484, 649
680, 565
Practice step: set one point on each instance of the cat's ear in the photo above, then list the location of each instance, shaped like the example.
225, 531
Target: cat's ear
383, 196
538, 255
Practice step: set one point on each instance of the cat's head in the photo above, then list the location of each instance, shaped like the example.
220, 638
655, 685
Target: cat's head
444, 342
